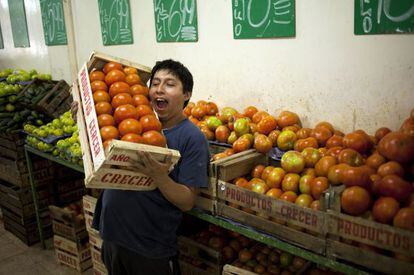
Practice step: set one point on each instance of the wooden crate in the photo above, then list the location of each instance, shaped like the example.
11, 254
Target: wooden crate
95, 240
89, 204
302, 226
359, 230
28, 220
22, 196
207, 199
72, 247
27, 232
67, 224
98, 267
189, 269
56, 101
41, 176
234, 270
24, 211
74, 261
98, 165
191, 251
71, 196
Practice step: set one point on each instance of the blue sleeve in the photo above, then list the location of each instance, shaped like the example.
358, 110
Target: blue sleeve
193, 165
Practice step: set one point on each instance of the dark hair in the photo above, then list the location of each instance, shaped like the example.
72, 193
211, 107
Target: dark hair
178, 70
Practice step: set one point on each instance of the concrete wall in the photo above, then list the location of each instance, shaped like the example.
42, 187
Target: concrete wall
324, 73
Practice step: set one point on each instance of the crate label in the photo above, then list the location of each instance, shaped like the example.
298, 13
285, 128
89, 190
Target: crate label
89, 204
64, 230
91, 119
286, 211
88, 221
95, 240
96, 255
66, 245
371, 233
120, 179
67, 259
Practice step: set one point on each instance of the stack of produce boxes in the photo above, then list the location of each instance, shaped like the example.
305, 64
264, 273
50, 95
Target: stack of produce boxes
70, 236
68, 185
89, 204
16, 196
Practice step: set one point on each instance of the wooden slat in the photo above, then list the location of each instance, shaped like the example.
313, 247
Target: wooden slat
73, 261
98, 60
240, 166
291, 235
89, 203
83, 136
371, 233
234, 270
282, 210
368, 259
109, 178
70, 246
121, 153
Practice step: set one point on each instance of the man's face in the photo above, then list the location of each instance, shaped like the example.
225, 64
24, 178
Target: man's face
166, 95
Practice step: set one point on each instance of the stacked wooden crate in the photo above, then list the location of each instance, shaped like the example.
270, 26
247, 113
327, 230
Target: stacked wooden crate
17, 205
365, 242
304, 227
70, 238
95, 241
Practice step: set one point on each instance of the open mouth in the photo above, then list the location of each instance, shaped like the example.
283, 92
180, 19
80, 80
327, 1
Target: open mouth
161, 103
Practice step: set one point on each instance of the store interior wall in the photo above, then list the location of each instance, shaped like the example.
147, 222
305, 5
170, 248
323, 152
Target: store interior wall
324, 73
38, 56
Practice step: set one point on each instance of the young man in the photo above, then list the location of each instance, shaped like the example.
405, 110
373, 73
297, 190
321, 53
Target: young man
139, 228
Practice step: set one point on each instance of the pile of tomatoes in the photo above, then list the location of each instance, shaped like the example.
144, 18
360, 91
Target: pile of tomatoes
122, 106
376, 170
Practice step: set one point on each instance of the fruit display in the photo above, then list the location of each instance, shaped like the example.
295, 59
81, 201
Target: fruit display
122, 106
253, 128
60, 137
15, 76
262, 259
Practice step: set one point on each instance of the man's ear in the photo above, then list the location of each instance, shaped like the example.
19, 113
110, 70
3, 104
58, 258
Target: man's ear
187, 95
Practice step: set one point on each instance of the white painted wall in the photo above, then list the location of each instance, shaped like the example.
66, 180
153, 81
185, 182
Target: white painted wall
324, 73
45, 59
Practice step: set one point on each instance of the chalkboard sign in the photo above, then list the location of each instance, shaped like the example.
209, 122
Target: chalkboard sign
263, 18
115, 17
53, 22
18, 23
176, 21
1, 39
384, 16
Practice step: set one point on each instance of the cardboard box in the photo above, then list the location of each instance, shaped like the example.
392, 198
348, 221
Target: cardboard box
110, 169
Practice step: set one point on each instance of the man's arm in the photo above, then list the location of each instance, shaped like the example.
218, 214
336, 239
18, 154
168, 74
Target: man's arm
180, 195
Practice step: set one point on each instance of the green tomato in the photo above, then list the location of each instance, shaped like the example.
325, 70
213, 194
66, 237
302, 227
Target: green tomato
58, 132
10, 107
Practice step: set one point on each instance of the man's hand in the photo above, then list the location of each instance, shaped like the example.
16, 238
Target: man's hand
153, 168
74, 110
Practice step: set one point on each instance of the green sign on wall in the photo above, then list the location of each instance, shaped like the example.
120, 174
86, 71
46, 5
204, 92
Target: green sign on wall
263, 18
176, 21
53, 22
115, 17
1, 39
18, 23
384, 16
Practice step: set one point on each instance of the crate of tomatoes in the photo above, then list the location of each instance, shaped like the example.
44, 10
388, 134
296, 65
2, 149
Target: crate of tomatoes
115, 122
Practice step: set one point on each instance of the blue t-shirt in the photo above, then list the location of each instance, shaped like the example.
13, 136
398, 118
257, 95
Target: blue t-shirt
144, 221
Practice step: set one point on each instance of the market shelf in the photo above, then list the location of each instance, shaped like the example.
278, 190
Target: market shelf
242, 229
53, 158
30, 150
277, 243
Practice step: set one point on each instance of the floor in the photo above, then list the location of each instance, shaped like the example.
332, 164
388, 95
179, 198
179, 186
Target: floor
17, 259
